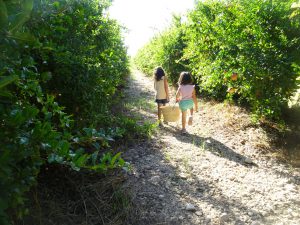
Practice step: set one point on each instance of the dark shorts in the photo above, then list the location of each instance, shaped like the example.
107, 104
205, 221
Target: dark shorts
161, 101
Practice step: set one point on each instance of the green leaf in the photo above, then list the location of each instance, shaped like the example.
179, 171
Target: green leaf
46, 76
5, 93
64, 148
94, 157
22, 17
27, 5
3, 14
56, 4
4, 81
26, 37
114, 158
81, 161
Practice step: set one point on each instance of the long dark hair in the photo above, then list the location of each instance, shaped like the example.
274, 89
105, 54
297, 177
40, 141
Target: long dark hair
185, 78
159, 73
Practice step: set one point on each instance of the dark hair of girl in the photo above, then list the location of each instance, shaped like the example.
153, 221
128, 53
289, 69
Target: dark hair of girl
159, 73
185, 78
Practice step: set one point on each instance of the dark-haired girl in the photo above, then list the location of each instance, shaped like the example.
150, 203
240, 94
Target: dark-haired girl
162, 90
186, 96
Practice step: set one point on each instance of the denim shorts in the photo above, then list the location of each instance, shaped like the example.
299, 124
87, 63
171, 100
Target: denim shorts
186, 104
161, 101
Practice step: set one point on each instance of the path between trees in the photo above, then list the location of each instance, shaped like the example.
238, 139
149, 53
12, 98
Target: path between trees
220, 173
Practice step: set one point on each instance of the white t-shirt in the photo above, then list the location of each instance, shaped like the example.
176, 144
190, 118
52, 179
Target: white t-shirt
159, 87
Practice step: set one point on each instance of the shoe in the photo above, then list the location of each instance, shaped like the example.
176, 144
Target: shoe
183, 131
160, 124
165, 122
190, 122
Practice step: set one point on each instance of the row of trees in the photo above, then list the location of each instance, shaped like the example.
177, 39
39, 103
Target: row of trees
61, 63
242, 50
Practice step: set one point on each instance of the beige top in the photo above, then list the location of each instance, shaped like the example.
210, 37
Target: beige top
159, 87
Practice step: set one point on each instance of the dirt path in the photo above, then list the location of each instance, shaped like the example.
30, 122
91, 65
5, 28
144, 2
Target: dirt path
220, 173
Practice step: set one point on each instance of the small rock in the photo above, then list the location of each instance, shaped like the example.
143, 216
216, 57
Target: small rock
224, 218
199, 213
180, 217
239, 222
255, 223
251, 190
154, 179
249, 161
190, 207
183, 176
147, 167
200, 189
161, 196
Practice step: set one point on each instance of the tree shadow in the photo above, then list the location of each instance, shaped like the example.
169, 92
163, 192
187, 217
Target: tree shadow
212, 145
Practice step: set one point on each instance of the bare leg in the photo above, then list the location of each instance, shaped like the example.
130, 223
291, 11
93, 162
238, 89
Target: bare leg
190, 121
183, 118
191, 111
159, 111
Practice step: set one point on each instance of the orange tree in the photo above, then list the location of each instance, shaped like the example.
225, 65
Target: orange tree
246, 49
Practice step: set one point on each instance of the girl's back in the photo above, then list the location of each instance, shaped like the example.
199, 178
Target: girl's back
160, 88
186, 91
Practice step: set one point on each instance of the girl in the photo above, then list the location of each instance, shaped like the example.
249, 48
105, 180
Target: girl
162, 90
186, 96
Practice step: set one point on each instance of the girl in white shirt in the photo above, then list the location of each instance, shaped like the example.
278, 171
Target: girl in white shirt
162, 90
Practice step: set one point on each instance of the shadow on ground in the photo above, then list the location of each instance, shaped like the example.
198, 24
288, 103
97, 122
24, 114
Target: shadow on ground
209, 144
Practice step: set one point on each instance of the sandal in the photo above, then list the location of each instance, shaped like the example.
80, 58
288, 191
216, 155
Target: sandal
183, 131
160, 124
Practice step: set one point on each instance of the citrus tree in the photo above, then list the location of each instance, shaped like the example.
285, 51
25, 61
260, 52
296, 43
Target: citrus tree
246, 49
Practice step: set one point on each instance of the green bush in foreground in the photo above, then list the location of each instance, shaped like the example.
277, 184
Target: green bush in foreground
39, 59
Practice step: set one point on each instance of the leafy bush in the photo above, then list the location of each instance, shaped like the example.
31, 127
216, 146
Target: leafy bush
242, 50
83, 51
36, 64
255, 39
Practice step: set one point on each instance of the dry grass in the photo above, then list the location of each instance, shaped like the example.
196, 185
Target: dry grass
68, 197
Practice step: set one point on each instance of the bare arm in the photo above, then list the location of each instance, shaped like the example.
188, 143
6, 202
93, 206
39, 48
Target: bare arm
195, 100
166, 88
177, 95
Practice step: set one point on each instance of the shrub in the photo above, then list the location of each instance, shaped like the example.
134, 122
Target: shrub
41, 59
255, 39
84, 52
